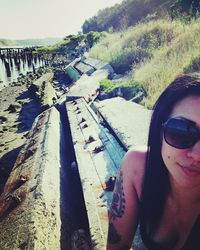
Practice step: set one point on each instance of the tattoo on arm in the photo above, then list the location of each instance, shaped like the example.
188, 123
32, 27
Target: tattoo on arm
113, 236
118, 203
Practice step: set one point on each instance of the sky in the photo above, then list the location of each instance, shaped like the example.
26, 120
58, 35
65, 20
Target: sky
23, 19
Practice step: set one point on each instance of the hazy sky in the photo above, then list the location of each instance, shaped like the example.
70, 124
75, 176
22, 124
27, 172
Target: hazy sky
21, 19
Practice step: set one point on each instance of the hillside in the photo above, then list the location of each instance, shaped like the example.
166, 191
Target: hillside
155, 52
129, 12
30, 42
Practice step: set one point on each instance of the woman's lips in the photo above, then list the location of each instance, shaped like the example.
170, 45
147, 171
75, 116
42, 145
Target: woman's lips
190, 170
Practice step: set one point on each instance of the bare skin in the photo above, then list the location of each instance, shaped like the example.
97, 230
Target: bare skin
183, 202
124, 209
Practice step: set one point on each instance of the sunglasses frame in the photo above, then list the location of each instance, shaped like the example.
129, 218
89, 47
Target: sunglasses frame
189, 123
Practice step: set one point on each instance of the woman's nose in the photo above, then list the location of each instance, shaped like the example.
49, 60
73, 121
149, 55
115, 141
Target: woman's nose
194, 151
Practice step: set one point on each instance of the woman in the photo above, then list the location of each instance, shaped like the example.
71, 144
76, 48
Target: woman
159, 187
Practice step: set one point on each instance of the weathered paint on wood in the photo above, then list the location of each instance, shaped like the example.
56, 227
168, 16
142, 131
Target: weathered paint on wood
94, 168
129, 120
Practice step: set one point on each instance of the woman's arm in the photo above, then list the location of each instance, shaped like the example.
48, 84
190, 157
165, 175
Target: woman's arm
123, 214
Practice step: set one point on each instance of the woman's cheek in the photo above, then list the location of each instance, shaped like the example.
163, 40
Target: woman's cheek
169, 154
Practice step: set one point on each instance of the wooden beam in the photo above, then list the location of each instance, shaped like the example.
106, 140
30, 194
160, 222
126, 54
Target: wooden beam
97, 161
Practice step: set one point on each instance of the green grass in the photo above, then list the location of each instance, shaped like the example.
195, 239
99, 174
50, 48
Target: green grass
128, 89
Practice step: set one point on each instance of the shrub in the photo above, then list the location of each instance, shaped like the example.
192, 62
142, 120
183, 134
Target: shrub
128, 89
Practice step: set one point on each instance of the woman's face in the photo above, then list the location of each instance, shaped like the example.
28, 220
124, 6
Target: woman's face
184, 164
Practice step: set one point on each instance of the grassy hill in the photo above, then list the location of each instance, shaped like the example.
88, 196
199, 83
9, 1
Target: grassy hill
155, 52
129, 12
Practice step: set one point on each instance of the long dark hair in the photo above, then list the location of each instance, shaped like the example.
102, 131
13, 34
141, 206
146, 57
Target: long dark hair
156, 184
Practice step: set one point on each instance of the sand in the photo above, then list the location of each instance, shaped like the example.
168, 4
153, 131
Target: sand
14, 124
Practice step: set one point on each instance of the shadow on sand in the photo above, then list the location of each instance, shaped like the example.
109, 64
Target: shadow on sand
6, 165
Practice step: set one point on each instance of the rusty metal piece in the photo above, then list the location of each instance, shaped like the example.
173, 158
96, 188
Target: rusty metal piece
15, 184
110, 183
8, 204
90, 139
98, 149
22, 179
82, 120
85, 125
15, 199
19, 182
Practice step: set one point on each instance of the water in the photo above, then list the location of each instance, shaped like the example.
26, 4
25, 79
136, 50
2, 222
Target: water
25, 64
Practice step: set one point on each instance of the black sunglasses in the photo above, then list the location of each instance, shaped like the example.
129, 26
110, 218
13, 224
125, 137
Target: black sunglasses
180, 133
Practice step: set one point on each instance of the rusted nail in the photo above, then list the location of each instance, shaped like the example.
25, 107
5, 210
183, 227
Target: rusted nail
98, 149
85, 125
82, 120
90, 139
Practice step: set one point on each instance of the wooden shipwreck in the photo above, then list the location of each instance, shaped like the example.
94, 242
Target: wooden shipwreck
70, 144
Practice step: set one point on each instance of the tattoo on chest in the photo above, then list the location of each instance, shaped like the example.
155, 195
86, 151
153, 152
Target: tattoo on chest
113, 236
118, 203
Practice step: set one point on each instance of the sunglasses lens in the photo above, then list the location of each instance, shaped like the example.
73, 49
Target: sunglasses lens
180, 133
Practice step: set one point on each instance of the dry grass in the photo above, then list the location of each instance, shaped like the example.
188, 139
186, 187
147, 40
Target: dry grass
157, 51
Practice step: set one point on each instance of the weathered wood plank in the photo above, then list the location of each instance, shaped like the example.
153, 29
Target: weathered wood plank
130, 121
94, 168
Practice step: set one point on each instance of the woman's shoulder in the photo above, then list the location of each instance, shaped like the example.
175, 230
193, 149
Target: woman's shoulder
133, 166
135, 158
